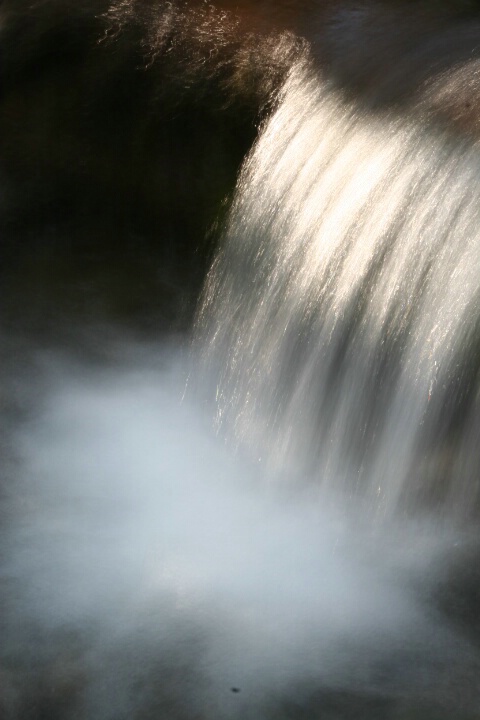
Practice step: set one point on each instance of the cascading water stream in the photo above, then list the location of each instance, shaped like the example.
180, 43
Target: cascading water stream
152, 570
342, 312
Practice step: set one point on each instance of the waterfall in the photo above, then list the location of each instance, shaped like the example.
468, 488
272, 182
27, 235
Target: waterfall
342, 311
316, 553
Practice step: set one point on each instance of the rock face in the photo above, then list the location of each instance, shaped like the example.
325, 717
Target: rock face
111, 177
123, 130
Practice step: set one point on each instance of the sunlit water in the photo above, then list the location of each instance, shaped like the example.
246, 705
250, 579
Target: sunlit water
342, 312
214, 533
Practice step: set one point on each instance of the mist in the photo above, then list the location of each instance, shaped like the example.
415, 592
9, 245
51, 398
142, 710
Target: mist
146, 560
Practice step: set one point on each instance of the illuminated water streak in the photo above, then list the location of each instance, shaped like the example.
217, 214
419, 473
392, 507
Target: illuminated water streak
342, 311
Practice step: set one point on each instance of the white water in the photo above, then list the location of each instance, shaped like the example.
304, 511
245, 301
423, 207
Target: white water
342, 311
153, 564
142, 548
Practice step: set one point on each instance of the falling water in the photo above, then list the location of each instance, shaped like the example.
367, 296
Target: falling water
342, 312
152, 566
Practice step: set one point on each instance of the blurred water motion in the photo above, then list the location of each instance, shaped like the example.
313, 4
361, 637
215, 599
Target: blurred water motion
280, 519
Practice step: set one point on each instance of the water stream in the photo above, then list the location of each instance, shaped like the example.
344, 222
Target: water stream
342, 310
261, 526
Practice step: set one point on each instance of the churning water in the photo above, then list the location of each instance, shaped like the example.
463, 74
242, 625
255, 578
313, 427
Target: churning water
284, 562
